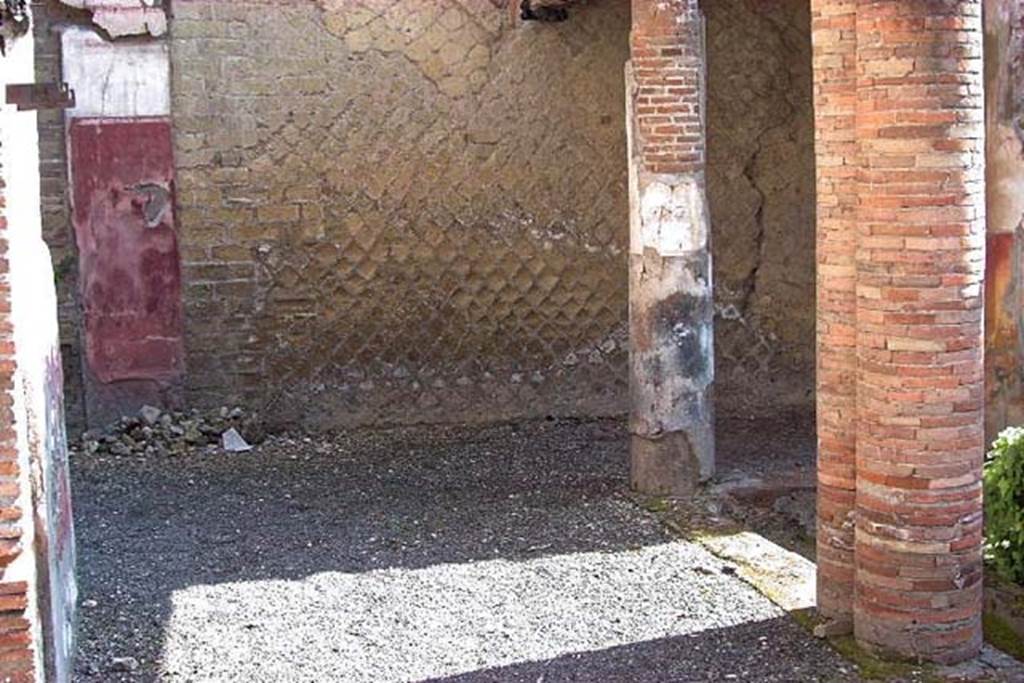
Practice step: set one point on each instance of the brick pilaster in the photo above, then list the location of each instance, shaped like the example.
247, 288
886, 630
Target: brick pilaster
667, 54
835, 92
920, 269
670, 297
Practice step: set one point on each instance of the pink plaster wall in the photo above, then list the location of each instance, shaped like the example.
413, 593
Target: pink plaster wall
130, 278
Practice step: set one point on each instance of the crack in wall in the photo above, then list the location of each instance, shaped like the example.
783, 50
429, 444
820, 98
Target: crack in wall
750, 168
761, 184
750, 284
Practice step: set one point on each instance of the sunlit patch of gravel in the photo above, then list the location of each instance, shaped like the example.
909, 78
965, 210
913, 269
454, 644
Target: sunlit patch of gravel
415, 624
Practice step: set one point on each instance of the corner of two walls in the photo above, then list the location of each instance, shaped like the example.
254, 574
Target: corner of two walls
388, 225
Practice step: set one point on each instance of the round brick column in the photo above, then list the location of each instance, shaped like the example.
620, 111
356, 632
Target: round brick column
920, 271
835, 96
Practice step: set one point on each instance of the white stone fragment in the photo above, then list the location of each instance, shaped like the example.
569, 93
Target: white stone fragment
150, 414
233, 442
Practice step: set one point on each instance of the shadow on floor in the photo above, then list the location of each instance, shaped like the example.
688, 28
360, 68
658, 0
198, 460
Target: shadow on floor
748, 652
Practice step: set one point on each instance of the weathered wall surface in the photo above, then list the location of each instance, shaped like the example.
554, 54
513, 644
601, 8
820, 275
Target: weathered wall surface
395, 211
121, 163
20, 631
54, 196
1004, 87
401, 211
761, 189
129, 268
117, 81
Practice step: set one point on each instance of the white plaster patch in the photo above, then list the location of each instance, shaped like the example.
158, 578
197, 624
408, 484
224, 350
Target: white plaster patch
673, 216
115, 79
125, 17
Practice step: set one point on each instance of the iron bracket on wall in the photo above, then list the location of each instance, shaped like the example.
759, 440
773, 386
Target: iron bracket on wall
33, 96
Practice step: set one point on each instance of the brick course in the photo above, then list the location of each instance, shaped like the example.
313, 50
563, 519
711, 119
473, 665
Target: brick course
920, 268
835, 90
667, 54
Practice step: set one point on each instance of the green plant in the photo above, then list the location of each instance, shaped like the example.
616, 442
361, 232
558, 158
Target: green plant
1004, 504
1000, 633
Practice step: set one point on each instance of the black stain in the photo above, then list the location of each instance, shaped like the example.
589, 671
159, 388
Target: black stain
684, 320
544, 13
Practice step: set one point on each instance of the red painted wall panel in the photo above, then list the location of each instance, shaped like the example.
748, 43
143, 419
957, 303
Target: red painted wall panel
130, 274
1004, 335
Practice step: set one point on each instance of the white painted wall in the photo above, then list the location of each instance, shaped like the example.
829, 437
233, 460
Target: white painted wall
115, 79
19, 157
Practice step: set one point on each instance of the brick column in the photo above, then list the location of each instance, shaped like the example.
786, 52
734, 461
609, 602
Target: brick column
672, 358
920, 270
835, 94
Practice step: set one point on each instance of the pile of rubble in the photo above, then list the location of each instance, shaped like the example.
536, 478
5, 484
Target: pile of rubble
158, 433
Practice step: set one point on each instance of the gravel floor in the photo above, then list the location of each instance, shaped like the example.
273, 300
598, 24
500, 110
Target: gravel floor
766, 468
502, 553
